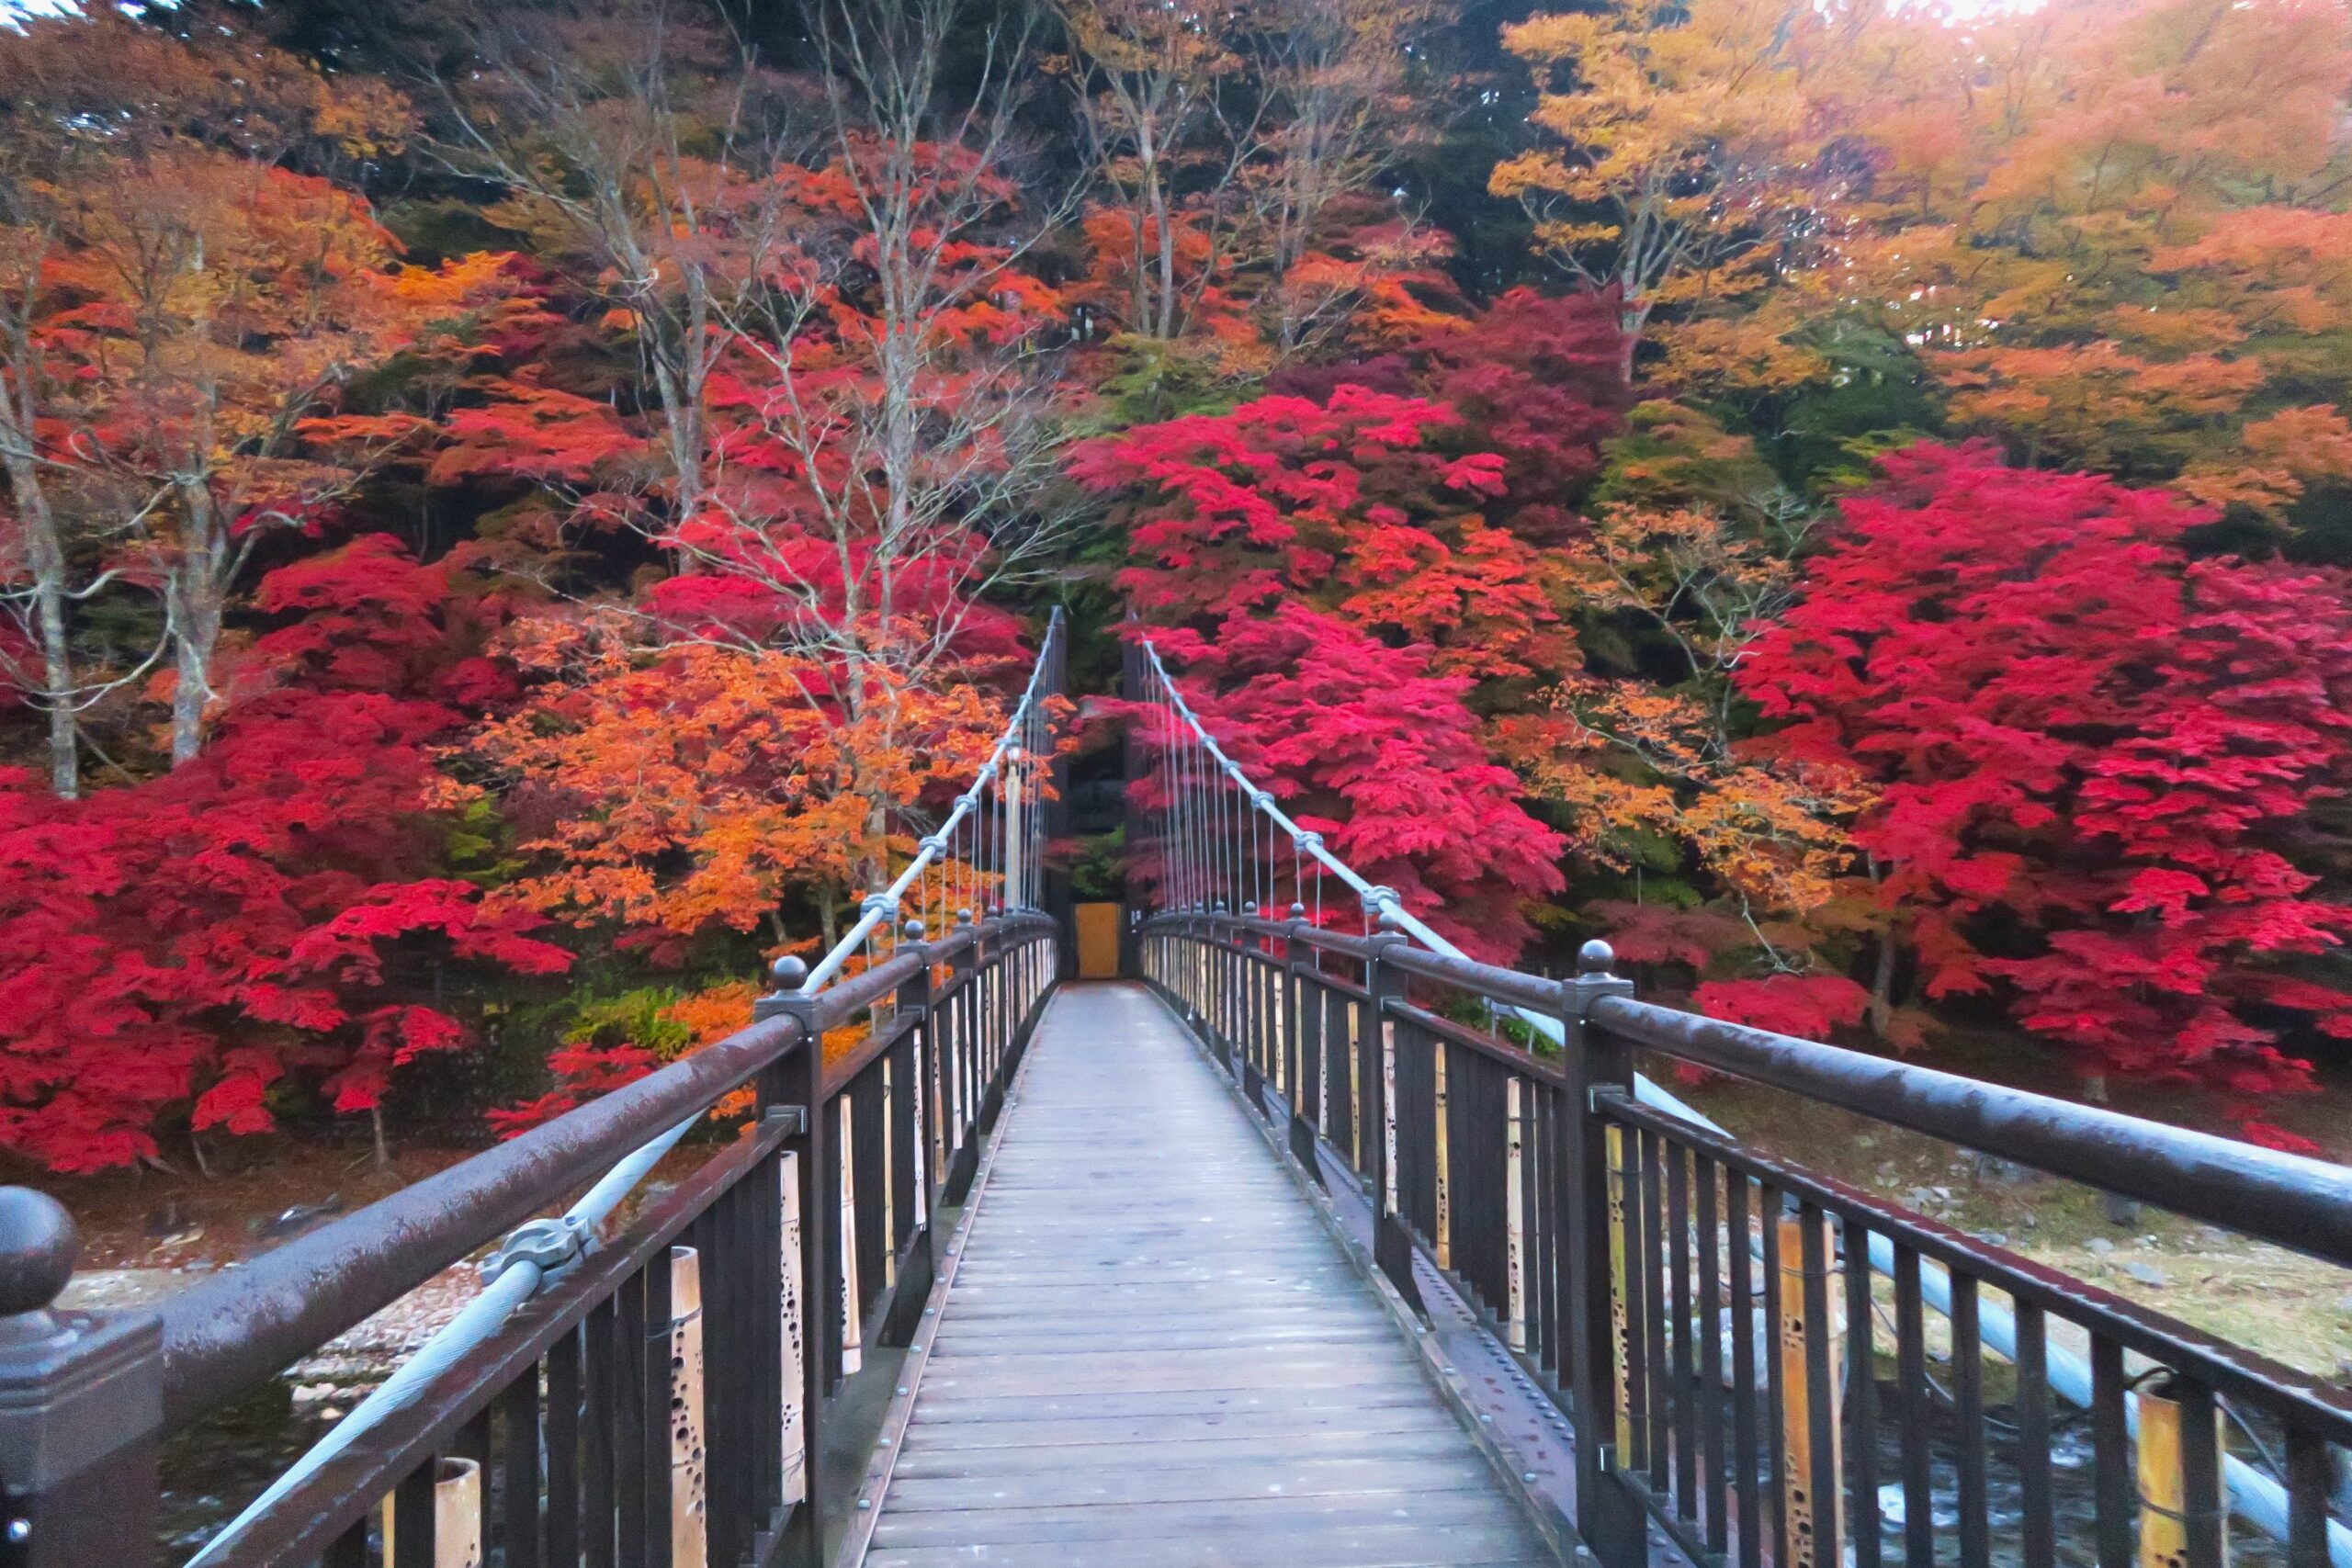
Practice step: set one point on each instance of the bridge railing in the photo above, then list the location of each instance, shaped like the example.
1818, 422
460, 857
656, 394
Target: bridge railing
662, 1399
1762, 1364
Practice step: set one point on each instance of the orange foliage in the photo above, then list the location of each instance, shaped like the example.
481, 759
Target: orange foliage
690, 787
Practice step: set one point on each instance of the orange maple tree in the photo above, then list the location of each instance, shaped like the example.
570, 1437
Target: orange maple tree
684, 790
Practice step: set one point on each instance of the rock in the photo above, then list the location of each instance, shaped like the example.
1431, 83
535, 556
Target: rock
2146, 1273
2002, 1172
1994, 1238
2032, 1223
2122, 1211
2344, 1304
1944, 1193
2100, 1247
2147, 1241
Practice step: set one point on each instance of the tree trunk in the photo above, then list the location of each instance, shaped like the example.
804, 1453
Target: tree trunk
194, 588
1882, 1002
45, 560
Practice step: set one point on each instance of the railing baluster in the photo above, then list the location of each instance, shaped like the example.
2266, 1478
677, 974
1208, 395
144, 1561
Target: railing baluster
629, 1402
350, 1548
1706, 1180
2111, 1480
2311, 1475
1968, 1408
1657, 1421
1911, 1388
1684, 1361
1774, 1360
409, 1521
599, 1426
2037, 1537
1746, 1461
519, 1528
563, 1452
1861, 1399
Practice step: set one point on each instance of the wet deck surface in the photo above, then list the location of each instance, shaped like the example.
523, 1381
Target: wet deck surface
1154, 1356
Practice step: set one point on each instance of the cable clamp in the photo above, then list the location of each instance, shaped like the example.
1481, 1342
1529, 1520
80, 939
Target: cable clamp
877, 903
553, 1245
1307, 841
1377, 898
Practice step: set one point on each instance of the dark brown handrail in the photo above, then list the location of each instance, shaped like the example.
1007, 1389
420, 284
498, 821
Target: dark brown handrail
2297, 1202
2301, 1203
243, 1325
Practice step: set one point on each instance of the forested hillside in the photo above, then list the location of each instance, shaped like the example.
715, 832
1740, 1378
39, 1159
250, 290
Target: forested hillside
516, 513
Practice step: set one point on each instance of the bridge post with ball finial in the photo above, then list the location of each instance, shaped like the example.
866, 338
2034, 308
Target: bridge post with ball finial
81, 1404
1596, 1063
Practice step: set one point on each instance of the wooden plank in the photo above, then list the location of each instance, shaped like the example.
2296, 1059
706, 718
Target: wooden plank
932, 1405
1268, 1455
1162, 1427
1375, 1546
1153, 1355
1299, 1517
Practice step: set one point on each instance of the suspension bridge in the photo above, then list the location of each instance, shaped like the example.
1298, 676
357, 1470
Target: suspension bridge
1303, 1239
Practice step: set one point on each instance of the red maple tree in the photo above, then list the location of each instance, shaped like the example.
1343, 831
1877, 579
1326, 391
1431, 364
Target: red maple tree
1328, 581
184, 949
2096, 755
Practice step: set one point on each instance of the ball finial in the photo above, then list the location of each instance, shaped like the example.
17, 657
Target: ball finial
1298, 911
39, 1244
1595, 957
915, 931
1220, 906
1251, 907
789, 972
964, 916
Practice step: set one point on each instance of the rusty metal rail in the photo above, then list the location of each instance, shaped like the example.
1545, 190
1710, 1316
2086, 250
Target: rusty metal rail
798, 1248
1738, 1380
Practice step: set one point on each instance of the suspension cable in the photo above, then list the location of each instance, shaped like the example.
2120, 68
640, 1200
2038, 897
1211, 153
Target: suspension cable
521, 1275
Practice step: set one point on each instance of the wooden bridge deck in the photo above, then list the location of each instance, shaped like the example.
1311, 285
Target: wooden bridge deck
1154, 1356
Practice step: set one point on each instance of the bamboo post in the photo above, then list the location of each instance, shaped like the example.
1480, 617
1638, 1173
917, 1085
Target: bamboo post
2163, 1489
1804, 1490
1515, 1216
689, 1459
790, 1314
457, 1515
1621, 1319
1388, 1115
852, 1329
889, 1182
1442, 1177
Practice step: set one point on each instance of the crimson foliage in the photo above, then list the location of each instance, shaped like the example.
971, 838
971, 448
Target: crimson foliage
2097, 756
193, 946
1334, 590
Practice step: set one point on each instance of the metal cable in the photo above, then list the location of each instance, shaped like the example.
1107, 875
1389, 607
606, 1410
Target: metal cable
488, 1313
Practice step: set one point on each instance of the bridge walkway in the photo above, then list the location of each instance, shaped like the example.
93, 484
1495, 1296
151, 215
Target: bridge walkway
1153, 1355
